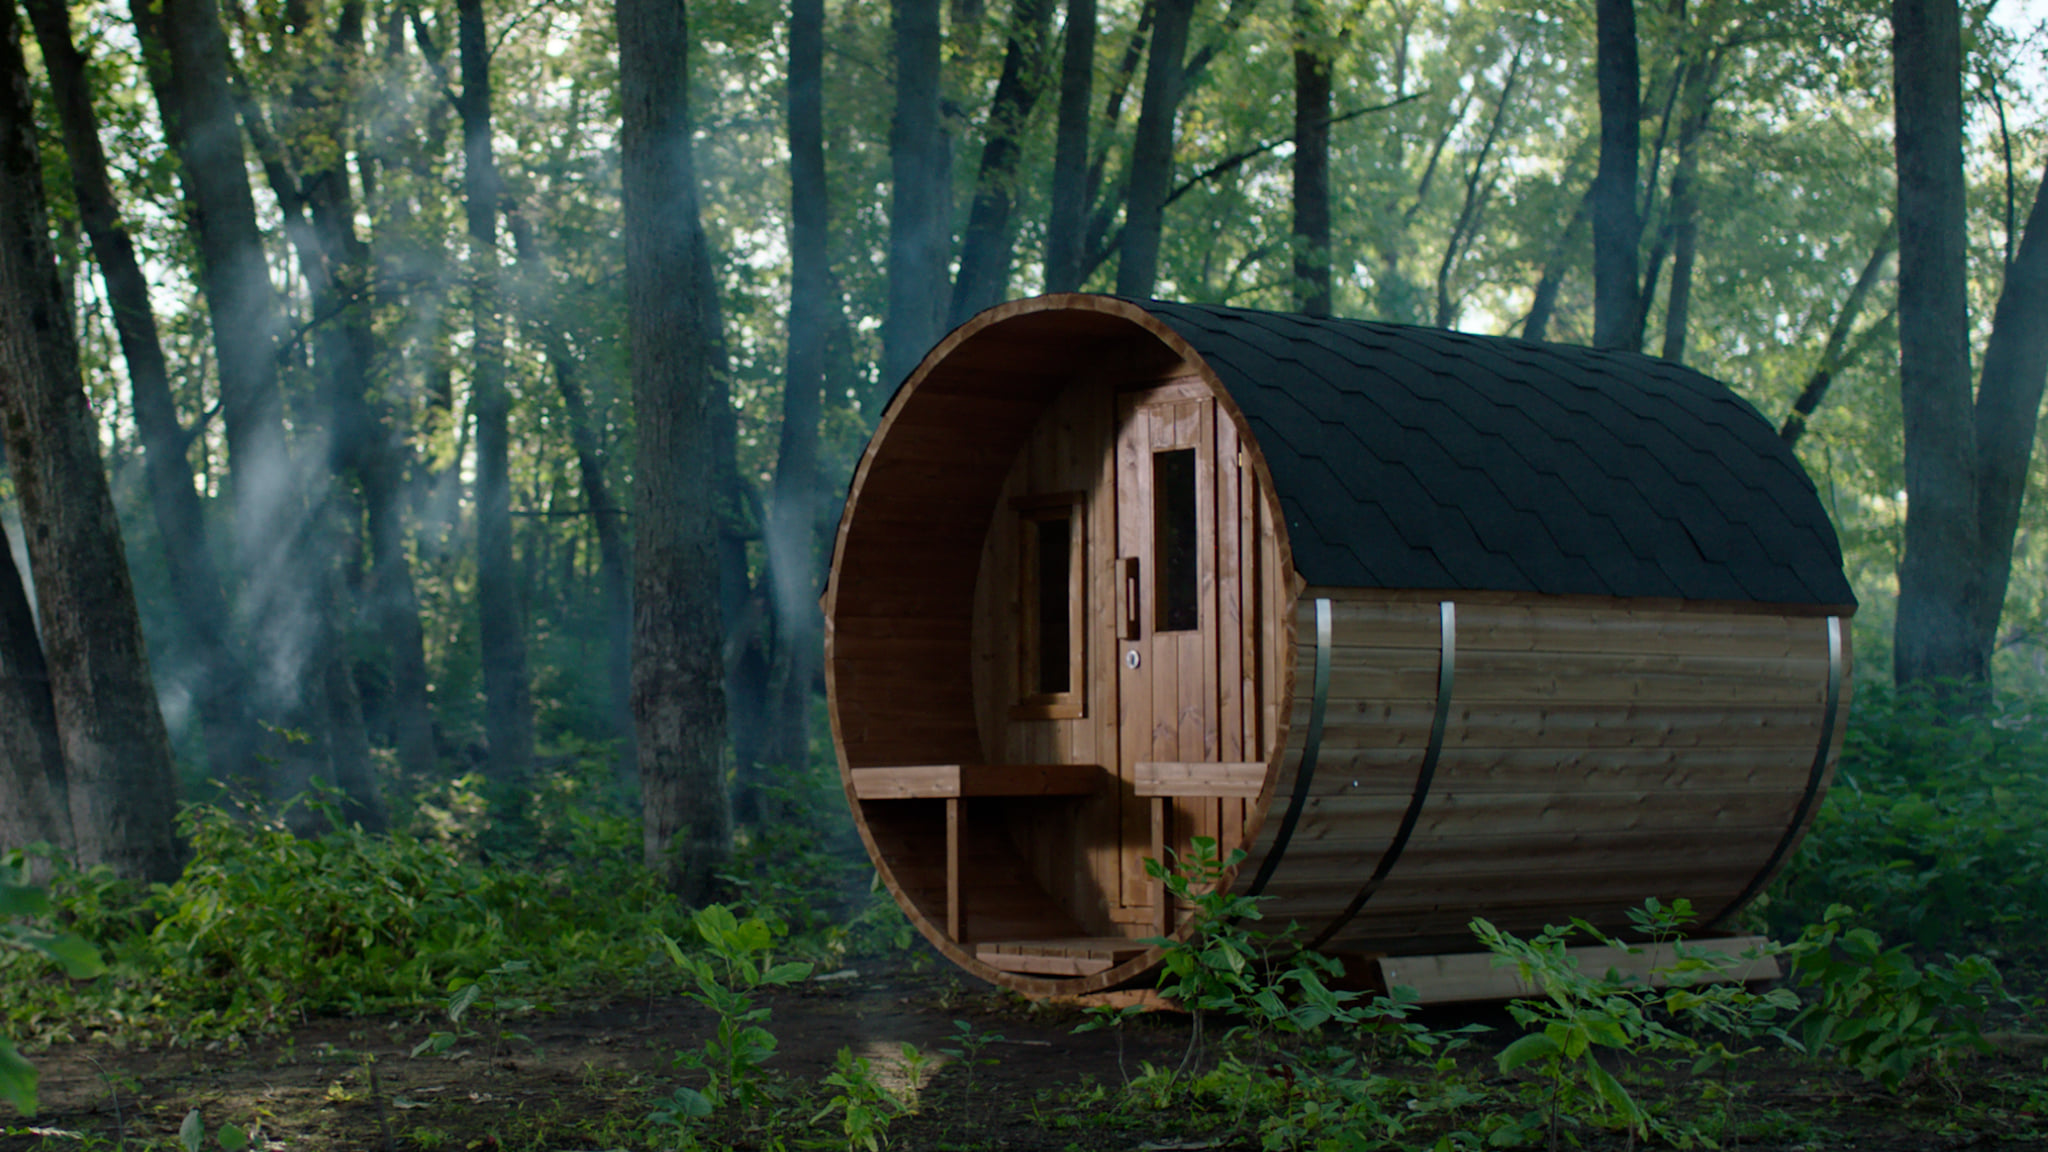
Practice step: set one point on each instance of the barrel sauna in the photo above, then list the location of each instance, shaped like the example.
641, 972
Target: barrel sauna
1431, 625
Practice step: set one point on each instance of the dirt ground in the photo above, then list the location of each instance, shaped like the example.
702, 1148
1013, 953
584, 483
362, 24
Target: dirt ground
587, 1078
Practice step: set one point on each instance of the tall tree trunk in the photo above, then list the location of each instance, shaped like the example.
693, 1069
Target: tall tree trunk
920, 203
1069, 210
117, 755
1834, 356
1679, 235
991, 222
678, 694
1939, 581
792, 528
280, 607
508, 699
2009, 410
1137, 270
1543, 305
1617, 229
33, 802
536, 283
232, 736
1311, 162
1477, 191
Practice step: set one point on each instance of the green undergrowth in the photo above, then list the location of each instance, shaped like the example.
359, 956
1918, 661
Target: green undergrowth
1935, 828
266, 928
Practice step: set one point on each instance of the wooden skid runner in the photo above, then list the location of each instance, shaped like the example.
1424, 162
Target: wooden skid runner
1074, 956
1457, 977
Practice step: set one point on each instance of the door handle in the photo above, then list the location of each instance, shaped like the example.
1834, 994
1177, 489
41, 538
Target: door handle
1127, 581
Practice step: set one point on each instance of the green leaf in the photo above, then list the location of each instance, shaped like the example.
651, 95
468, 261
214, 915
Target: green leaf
1535, 1046
192, 1133
17, 1080
1612, 1093
231, 1138
788, 973
21, 900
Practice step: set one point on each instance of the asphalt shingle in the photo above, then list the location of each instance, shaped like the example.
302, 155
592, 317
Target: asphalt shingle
1417, 458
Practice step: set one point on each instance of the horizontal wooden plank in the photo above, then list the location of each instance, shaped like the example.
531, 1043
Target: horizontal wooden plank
1566, 627
1472, 976
1043, 965
928, 781
1200, 778
1392, 770
1342, 822
1366, 723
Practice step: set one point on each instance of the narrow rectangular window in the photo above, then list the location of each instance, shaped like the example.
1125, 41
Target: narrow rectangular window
1175, 543
1049, 607
1055, 604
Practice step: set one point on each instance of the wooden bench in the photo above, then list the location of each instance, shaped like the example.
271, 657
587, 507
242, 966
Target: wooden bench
1073, 956
1163, 780
955, 782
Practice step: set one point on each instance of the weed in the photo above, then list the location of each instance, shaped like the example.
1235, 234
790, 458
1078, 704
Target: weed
20, 900
864, 1106
737, 960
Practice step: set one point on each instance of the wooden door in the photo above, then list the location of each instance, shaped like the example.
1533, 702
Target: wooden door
1185, 635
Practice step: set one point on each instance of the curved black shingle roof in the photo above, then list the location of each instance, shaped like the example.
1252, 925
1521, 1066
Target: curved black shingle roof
1419, 458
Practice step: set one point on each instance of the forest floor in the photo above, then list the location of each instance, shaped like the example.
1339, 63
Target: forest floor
589, 1077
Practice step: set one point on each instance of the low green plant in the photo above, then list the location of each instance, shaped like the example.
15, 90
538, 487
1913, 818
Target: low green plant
76, 959
735, 961
864, 1105
192, 1135
1877, 1011
1213, 967
493, 998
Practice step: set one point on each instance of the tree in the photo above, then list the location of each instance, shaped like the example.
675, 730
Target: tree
233, 738
1617, 229
678, 695
1966, 461
985, 247
33, 806
1311, 187
508, 699
1137, 270
1067, 217
920, 202
117, 755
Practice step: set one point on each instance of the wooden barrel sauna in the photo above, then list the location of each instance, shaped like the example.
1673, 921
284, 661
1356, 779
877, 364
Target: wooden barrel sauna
1432, 625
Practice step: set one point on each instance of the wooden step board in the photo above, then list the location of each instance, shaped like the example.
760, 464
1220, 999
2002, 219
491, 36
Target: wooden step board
1073, 956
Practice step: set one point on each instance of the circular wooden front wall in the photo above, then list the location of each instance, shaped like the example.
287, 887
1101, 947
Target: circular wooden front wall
1394, 763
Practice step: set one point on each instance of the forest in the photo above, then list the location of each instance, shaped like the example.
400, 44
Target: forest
427, 424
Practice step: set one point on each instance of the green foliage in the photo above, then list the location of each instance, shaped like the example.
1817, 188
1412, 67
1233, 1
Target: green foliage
265, 926
1935, 826
1878, 1012
864, 1105
78, 960
192, 1135
493, 998
737, 960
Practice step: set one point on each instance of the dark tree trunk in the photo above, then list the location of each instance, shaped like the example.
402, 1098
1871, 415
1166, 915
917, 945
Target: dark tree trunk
281, 591
1536, 325
678, 694
792, 528
1617, 230
1836, 354
1311, 164
1069, 210
222, 689
1940, 583
1137, 270
920, 211
537, 282
2009, 410
33, 804
117, 755
991, 225
1477, 190
508, 700
1680, 233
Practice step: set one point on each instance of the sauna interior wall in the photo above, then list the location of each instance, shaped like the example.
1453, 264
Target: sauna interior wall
900, 605
1087, 853
1597, 752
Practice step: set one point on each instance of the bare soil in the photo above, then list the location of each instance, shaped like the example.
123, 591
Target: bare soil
588, 1077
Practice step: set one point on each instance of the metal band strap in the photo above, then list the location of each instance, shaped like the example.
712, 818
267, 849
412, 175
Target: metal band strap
1446, 680
1309, 751
1813, 779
